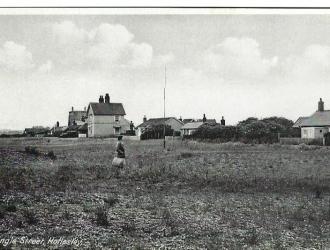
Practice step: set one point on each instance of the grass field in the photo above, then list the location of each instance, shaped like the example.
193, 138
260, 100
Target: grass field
191, 195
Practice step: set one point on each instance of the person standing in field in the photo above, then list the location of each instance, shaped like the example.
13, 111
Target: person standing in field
119, 160
120, 148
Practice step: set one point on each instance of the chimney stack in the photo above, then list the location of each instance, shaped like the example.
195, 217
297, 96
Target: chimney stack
85, 108
57, 124
107, 98
144, 118
321, 105
223, 121
101, 99
204, 118
72, 108
180, 119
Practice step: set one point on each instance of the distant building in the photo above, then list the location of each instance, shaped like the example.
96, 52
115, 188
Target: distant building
190, 127
316, 125
174, 123
105, 118
37, 131
57, 130
77, 117
185, 121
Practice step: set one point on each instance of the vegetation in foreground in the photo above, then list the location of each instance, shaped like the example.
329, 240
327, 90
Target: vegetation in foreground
192, 195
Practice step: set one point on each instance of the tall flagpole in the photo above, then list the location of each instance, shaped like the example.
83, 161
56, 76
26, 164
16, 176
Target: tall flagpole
164, 108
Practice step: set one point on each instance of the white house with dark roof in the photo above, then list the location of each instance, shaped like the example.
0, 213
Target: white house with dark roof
316, 125
105, 118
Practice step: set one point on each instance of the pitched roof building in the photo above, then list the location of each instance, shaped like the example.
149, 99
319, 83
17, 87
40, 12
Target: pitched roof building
77, 117
316, 125
106, 118
174, 123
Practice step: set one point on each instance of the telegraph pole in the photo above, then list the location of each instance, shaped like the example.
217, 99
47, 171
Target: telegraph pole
164, 109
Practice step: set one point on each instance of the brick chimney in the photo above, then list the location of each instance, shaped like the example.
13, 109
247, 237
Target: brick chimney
144, 118
321, 105
101, 99
107, 98
204, 118
57, 124
72, 108
223, 121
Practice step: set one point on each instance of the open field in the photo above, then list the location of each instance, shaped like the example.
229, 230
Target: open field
192, 195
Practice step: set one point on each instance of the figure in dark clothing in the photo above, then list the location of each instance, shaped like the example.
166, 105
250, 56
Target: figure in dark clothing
120, 148
119, 161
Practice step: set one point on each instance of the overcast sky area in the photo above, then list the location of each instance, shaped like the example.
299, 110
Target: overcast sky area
236, 66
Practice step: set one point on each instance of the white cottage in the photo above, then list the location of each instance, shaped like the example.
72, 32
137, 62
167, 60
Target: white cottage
316, 125
106, 118
190, 127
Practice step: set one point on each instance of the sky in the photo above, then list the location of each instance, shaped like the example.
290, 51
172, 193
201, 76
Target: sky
236, 66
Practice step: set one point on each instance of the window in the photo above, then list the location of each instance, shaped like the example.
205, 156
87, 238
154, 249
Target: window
117, 131
116, 118
320, 130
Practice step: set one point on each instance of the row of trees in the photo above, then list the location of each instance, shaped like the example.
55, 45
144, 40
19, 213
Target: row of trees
251, 130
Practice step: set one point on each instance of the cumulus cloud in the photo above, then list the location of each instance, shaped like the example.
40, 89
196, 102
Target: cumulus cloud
67, 32
15, 57
105, 45
46, 67
238, 58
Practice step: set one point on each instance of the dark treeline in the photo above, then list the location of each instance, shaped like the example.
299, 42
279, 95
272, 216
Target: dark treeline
251, 130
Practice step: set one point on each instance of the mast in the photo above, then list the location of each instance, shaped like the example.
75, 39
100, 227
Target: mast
164, 108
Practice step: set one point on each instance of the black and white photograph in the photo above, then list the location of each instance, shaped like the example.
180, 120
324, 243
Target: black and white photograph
164, 128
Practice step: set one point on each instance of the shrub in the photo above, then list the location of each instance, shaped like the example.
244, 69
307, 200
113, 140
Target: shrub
30, 216
111, 201
250, 130
156, 132
252, 237
32, 150
51, 155
101, 217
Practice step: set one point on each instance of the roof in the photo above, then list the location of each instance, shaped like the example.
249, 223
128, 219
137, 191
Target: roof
208, 120
83, 128
192, 125
156, 121
77, 114
187, 120
318, 119
106, 108
297, 124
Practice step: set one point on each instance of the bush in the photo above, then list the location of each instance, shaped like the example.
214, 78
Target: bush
156, 132
30, 216
250, 130
51, 155
32, 150
101, 217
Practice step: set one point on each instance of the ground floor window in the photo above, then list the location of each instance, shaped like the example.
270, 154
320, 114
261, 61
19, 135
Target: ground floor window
117, 131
